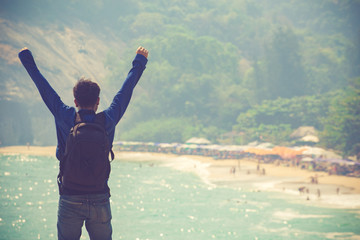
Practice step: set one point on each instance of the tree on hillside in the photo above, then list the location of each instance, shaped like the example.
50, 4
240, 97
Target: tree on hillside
275, 119
342, 125
284, 75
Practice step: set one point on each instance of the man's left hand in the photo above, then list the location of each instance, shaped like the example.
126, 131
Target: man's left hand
142, 51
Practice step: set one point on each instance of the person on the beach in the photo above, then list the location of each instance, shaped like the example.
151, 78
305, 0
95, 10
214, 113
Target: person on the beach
301, 189
75, 206
318, 193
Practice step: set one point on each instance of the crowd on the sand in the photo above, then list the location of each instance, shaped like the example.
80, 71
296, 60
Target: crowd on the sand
302, 161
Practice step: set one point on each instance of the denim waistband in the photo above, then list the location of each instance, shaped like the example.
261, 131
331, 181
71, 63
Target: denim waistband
86, 197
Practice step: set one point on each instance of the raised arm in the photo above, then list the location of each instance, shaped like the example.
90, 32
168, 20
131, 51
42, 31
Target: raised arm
48, 94
122, 98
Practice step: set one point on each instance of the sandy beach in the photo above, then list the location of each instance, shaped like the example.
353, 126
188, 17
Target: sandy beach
31, 150
219, 171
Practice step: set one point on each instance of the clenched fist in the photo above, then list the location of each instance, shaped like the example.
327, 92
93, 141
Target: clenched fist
142, 51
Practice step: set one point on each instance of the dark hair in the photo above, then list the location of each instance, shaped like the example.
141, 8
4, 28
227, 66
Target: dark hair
86, 92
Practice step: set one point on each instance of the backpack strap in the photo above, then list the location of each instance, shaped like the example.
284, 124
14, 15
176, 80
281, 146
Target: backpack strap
100, 119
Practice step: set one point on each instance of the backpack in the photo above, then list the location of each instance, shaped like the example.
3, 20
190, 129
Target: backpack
86, 166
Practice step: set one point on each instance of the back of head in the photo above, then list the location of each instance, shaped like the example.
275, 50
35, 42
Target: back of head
86, 92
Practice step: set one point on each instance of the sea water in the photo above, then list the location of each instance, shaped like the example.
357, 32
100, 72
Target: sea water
153, 200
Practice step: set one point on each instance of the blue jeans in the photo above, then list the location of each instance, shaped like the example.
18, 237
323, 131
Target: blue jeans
93, 209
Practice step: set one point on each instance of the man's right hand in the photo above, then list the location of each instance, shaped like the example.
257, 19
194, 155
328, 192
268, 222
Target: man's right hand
25, 48
142, 51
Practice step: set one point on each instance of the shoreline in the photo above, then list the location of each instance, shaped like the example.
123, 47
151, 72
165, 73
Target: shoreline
218, 172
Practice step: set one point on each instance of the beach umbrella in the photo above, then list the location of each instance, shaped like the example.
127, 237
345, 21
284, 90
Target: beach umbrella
212, 147
303, 131
189, 146
195, 140
310, 138
315, 151
307, 159
337, 160
260, 151
231, 148
266, 145
287, 153
165, 145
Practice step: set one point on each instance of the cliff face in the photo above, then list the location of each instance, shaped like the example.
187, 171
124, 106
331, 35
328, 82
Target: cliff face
63, 55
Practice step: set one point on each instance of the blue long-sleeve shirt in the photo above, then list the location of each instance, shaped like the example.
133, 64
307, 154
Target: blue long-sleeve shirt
65, 115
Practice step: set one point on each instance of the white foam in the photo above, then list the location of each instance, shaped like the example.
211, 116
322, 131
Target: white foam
290, 215
187, 164
268, 185
347, 201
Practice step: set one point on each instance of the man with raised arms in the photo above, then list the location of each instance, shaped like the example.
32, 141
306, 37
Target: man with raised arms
79, 204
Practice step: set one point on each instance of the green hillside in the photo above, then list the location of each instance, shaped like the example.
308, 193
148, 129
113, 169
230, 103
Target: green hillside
255, 67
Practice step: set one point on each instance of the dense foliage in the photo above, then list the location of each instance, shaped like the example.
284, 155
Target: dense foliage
260, 68
342, 124
273, 120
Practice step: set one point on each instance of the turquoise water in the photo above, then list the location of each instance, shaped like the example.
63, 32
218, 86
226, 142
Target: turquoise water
152, 201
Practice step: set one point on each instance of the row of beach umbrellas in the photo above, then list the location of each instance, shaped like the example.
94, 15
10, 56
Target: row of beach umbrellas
308, 154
